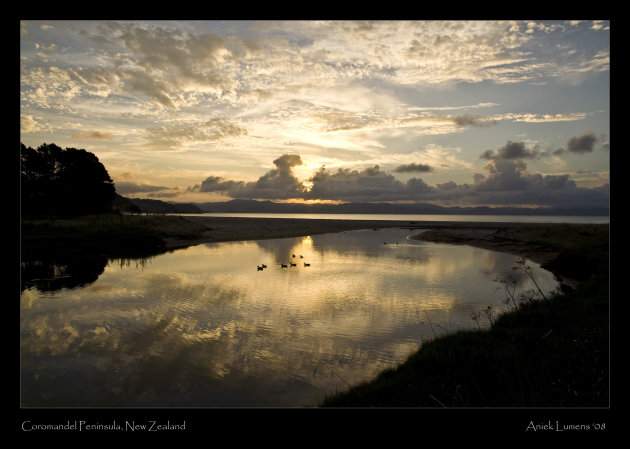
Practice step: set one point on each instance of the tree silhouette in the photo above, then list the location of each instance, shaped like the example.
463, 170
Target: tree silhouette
63, 182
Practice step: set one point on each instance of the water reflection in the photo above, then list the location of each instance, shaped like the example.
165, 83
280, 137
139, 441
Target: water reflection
49, 274
202, 327
55, 274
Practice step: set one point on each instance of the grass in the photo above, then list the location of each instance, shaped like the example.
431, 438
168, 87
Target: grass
115, 235
581, 247
551, 353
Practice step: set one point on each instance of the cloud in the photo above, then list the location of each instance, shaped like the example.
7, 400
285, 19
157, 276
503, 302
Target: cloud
341, 92
137, 81
127, 184
158, 61
169, 193
511, 150
129, 187
600, 25
173, 135
506, 182
410, 168
582, 144
507, 170
509, 183
92, 135
219, 184
370, 184
168, 66
505, 175
286, 162
173, 63
31, 124
472, 120
278, 183
545, 118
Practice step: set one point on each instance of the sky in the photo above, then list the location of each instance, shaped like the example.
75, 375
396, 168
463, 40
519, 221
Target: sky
465, 113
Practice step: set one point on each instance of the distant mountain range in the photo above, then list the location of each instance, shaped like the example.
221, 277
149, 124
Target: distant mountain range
163, 207
253, 206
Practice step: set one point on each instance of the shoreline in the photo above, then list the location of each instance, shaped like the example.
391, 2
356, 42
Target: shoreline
552, 245
479, 234
489, 239
226, 229
508, 237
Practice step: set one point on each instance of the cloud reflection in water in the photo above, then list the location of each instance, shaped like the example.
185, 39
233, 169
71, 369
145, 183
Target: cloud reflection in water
202, 327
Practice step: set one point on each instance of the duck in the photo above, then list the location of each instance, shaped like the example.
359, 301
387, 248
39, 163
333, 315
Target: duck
283, 265
293, 264
259, 268
307, 264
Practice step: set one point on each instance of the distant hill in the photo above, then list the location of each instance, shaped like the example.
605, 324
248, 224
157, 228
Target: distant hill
162, 207
253, 206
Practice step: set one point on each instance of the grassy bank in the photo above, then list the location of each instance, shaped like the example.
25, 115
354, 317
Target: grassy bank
551, 353
115, 235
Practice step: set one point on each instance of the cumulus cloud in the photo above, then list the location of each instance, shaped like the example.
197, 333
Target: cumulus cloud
505, 175
370, 184
278, 183
510, 151
509, 182
580, 144
219, 184
506, 182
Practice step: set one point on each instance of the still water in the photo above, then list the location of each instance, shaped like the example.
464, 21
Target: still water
204, 327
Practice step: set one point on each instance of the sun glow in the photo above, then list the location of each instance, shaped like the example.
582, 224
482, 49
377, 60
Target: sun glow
303, 201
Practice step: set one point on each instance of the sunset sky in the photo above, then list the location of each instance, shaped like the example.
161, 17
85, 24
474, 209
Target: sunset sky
498, 113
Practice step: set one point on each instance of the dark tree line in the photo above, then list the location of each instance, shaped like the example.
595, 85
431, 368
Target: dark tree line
58, 182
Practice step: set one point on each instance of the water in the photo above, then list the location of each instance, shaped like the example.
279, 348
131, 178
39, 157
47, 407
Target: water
203, 327
573, 219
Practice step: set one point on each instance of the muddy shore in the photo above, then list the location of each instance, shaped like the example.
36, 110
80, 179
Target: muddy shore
492, 239
491, 236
